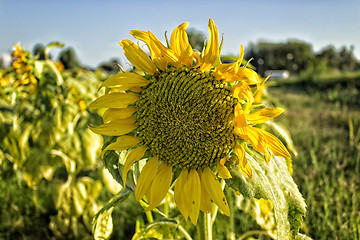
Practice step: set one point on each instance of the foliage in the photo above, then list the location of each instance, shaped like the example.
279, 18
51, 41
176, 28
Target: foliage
342, 59
337, 87
291, 55
111, 66
68, 59
298, 57
196, 38
45, 142
51, 162
39, 51
325, 120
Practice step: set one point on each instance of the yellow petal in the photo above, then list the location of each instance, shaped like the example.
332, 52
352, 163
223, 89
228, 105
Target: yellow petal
227, 71
116, 127
243, 163
138, 57
259, 94
242, 91
159, 60
213, 188
125, 81
134, 156
257, 140
240, 125
115, 100
180, 44
180, 195
205, 204
212, 53
118, 113
248, 76
160, 185
263, 115
192, 188
267, 156
135, 89
141, 35
275, 145
146, 177
223, 171
169, 54
122, 143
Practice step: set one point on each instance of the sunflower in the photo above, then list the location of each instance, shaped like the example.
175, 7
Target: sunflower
22, 66
187, 113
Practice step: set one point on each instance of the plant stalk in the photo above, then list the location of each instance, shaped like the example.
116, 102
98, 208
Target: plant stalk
204, 226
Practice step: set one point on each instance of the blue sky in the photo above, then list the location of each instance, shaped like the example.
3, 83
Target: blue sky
95, 28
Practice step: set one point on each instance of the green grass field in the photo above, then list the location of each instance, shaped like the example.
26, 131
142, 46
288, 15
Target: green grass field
324, 121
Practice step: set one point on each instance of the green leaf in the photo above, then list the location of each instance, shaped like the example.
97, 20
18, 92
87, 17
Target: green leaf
165, 229
39, 67
103, 226
302, 237
51, 45
91, 146
37, 166
118, 198
271, 181
102, 221
112, 163
79, 201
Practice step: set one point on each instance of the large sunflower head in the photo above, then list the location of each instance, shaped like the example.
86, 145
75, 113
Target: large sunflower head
189, 113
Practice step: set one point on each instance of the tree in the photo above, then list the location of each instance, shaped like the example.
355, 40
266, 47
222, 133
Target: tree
111, 66
196, 38
292, 55
347, 59
68, 59
330, 56
39, 51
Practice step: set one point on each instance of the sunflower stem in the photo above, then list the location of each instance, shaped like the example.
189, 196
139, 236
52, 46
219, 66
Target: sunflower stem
204, 226
232, 204
149, 217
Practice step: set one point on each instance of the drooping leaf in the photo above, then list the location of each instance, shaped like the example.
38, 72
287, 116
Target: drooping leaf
102, 219
103, 225
165, 229
272, 181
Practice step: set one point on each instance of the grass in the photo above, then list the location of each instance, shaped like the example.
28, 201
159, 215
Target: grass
326, 132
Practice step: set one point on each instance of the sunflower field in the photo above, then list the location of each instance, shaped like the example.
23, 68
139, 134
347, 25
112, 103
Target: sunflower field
176, 148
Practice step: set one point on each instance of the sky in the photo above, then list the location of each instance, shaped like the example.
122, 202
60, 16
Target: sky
94, 28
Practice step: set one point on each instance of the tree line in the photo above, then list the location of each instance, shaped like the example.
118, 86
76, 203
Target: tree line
295, 56
298, 56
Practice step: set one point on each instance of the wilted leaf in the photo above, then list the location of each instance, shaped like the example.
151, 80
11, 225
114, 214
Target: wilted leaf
37, 166
165, 229
91, 146
111, 184
103, 225
78, 201
272, 181
102, 221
